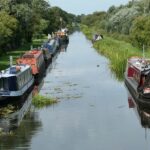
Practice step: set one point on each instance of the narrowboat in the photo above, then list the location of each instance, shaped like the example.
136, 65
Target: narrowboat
137, 78
63, 37
47, 55
15, 80
50, 48
35, 59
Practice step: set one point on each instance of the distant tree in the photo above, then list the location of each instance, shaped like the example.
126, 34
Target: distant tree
111, 10
58, 18
29, 18
122, 20
97, 18
140, 32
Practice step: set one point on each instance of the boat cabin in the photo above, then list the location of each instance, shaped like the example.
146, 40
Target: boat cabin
34, 58
138, 68
137, 75
15, 80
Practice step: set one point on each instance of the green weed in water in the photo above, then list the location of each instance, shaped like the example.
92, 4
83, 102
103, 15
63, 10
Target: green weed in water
40, 101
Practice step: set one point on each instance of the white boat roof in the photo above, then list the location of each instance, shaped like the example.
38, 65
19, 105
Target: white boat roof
7, 73
140, 64
51, 42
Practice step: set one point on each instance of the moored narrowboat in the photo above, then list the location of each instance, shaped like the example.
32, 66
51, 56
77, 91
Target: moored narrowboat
35, 59
137, 77
47, 55
63, 37
15, 81
49, 48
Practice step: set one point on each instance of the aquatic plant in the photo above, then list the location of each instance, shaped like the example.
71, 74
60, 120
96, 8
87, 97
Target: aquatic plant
5, 111
40, 101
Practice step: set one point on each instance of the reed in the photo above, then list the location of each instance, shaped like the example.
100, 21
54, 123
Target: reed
117, 51
40, 101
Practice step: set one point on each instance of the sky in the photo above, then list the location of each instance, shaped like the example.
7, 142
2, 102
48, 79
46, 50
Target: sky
86, 6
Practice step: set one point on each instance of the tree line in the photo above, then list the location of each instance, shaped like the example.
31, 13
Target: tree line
128, 22
21, 20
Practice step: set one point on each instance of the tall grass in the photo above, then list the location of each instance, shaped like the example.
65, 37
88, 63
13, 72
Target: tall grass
117, 51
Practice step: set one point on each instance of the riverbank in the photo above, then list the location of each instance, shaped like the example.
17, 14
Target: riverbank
117, 51
4, 59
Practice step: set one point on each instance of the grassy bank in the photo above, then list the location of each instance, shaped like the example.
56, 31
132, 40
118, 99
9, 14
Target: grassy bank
4, 59
117, 51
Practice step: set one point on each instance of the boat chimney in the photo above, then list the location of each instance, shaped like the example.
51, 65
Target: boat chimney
11, 60
31, 47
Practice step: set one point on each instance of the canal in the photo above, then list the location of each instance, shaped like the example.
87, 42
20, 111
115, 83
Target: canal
93, 112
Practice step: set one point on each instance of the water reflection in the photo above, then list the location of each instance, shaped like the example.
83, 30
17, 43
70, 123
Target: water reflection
19, 121
53, 63
142, 112
12, 114
63, 48
37, 88
22, 136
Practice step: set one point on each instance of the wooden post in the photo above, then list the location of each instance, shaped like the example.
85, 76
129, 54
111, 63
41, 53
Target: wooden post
31, 47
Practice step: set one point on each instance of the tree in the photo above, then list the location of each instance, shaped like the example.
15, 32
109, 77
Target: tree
8, 26
30, 17
122, 20
140, 32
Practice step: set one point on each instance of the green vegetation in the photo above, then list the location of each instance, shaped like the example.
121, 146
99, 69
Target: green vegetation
23, 20
130, 22
4, 59
40, 101
117, 51
5, 111
126, 31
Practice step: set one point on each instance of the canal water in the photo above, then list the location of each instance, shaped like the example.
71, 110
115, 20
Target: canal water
93, 112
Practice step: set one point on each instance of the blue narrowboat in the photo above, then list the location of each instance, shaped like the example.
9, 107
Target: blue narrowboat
49, 48
15, 80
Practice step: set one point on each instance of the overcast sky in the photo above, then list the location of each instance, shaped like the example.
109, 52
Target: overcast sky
86, 6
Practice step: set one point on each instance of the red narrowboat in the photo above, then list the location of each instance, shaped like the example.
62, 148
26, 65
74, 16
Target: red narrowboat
137, 77
35, 59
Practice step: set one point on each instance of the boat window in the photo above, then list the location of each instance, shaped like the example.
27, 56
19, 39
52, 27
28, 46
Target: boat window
5, 84
147, 81
29, 74
19, 80
24, 77
1, 84
40, 60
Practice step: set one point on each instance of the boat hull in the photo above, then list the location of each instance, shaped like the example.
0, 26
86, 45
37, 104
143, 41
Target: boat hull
140, 99
42, 71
